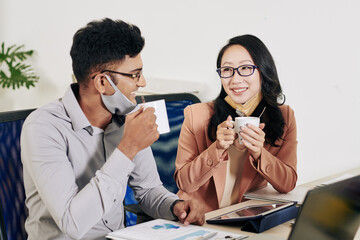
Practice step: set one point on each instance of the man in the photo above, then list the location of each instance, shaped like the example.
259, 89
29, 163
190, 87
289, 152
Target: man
80, 152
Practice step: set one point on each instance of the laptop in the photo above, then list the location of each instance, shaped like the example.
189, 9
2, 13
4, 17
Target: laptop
330, 212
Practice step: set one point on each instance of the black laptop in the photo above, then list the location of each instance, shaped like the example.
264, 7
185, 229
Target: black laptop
330, 212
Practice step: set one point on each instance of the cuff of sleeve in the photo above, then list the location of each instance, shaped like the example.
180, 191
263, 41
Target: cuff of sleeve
263, 164
172, 207
254, 163
118, 163
224, 155
221, 153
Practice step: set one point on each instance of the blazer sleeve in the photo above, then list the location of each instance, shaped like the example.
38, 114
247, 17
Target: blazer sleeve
196, 161
279, 167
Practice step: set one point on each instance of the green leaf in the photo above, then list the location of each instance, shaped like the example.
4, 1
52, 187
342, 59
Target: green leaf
20, 73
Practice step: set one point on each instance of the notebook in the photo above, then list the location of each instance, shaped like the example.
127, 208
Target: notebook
329, 212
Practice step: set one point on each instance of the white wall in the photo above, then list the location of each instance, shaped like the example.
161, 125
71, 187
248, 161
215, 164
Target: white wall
314, 43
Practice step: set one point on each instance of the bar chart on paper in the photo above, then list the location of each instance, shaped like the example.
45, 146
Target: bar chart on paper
165, 229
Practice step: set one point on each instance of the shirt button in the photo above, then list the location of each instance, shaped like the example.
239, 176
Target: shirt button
209, 162
106, 221
268, 169
114, 199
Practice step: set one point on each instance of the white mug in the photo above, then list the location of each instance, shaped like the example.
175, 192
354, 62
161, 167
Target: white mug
242, 121
161, 114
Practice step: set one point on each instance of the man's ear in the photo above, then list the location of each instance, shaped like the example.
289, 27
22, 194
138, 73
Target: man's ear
99, 83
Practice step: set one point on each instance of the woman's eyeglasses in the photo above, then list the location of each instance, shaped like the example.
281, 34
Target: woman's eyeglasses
243, 70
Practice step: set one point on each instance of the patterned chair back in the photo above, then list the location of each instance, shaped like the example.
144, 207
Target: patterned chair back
3, 234
12, 195
165, 148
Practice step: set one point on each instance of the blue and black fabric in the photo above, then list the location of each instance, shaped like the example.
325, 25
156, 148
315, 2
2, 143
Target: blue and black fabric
3, 234
12, 194
165, 148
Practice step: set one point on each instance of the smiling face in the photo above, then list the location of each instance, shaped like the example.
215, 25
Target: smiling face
239, 88
128, 85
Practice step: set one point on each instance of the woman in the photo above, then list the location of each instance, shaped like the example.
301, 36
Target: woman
211, 165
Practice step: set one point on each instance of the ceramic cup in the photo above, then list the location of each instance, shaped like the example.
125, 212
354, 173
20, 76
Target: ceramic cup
161, 114
242, 121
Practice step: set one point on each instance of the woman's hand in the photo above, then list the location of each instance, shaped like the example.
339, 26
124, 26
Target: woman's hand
253, 139
225, 134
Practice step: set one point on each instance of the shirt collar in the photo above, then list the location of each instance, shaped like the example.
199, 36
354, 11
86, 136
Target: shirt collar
73, 109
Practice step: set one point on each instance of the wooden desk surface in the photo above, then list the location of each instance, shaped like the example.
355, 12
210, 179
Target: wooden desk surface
282, 230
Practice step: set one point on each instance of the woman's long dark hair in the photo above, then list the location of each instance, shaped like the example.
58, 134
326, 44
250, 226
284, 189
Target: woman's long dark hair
270, 88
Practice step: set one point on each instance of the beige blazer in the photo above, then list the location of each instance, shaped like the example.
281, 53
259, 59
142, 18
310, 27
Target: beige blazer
201, 168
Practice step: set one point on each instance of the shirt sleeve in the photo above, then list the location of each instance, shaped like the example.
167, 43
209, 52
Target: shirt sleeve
44, 157
154, 199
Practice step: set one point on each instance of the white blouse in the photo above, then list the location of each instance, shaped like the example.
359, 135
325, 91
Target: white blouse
235, 166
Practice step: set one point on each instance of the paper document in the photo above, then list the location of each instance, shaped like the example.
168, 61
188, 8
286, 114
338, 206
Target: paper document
165, 229
269, 193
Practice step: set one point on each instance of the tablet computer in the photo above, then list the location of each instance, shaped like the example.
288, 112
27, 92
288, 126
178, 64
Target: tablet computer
250, 212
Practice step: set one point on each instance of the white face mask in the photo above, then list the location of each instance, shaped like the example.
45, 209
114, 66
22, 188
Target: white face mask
117, 103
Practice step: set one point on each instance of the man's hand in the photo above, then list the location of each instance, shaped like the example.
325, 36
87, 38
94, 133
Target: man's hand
189, 211
140, 131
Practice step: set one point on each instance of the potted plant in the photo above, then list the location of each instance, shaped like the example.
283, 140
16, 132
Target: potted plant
14, 72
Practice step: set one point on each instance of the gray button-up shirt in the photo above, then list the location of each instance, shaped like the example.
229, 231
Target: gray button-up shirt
75, 176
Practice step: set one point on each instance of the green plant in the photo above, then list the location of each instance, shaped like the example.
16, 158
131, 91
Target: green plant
17, 73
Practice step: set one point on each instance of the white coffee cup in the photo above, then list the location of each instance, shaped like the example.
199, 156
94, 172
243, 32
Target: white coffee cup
161, 114
242, 122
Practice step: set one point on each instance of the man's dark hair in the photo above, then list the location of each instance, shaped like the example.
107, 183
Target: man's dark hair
270, 88
101, 43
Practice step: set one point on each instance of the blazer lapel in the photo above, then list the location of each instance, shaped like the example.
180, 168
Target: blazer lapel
248, 176
219, 176
219, 180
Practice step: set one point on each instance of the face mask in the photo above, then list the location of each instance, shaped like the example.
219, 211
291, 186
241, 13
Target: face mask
117, 103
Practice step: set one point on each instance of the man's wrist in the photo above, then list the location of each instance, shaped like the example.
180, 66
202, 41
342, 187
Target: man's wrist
128, 150
173, 205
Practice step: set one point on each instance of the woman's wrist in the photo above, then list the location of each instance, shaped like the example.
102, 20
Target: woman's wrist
256, 157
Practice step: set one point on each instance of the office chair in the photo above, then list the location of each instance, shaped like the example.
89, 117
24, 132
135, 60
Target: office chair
164, 149
3, 235
12, 194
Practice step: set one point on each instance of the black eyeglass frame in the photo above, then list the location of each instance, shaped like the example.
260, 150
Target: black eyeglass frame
237, 69
135, 76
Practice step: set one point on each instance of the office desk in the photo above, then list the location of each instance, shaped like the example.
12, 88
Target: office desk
282, 230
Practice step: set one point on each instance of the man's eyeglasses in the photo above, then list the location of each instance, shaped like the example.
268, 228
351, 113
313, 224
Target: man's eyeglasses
243, 70
135, 76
